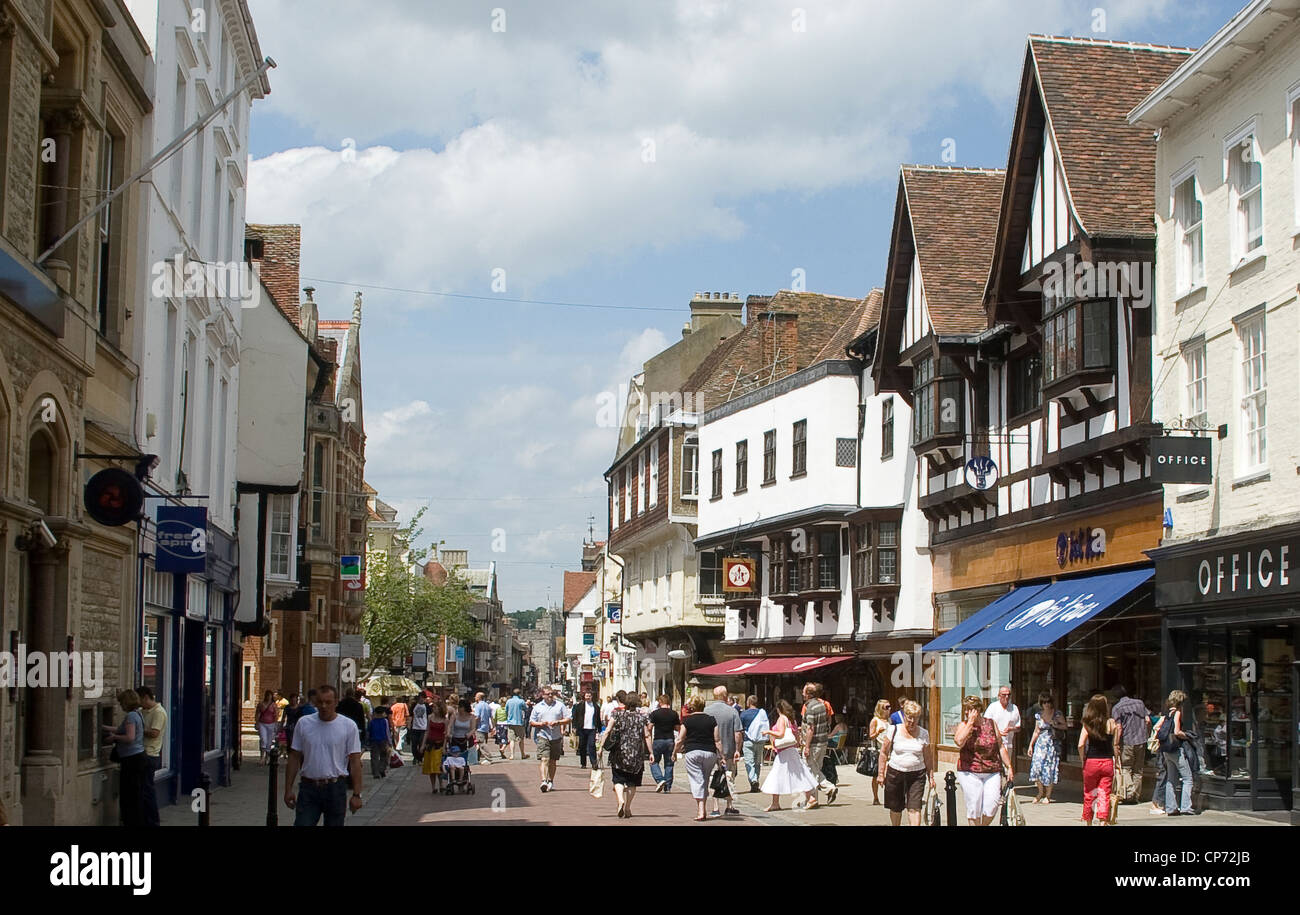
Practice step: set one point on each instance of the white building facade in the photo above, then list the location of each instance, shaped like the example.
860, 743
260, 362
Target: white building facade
1225, 359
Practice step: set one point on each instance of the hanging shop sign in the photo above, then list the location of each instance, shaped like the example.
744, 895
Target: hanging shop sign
1080, 545
981, 472
738, 574
1182, 459
350, 568
614, 612
182, 540
113, 497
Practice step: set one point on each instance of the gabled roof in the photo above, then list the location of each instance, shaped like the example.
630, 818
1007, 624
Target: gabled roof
863, 318
281, 252
576, 586
954, 219
1089, 87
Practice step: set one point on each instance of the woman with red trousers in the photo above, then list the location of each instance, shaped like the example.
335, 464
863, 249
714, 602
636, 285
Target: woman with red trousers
1099, 749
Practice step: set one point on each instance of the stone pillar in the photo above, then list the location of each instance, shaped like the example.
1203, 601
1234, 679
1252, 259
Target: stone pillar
61, 199
42, 765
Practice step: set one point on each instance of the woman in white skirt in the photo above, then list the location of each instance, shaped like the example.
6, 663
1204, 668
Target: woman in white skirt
789, 773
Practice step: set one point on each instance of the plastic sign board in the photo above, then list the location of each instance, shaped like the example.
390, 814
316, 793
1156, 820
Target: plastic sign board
460, 653
589, 638
614, 612
1182, 459
351, 646
325, 649
604, 655
420, 660
350, 568
182, 540
738, 575
981, 473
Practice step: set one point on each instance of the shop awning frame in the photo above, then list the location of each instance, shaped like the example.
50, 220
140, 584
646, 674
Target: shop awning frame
1056, 611
744, 667
976, 623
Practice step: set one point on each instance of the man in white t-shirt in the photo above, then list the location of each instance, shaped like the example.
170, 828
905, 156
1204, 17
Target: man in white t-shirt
548, 720
1006, 716
327, 751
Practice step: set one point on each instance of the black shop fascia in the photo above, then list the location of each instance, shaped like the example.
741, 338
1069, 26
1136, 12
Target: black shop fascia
1230, 610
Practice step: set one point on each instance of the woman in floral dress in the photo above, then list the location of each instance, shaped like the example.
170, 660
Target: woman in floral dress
1044, 748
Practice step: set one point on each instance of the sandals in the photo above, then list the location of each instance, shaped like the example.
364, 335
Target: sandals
772, 809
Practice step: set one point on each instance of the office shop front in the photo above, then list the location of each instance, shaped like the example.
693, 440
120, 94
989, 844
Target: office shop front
1231, 615
1063, 604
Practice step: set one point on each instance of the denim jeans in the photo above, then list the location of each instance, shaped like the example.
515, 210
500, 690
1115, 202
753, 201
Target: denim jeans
1177, 767
330, 800
663, 751
587, 747
753, 753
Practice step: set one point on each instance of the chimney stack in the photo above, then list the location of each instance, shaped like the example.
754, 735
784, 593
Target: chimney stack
707, 306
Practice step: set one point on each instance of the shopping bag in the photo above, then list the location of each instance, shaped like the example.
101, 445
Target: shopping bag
596, 786
719, 783
471, 758
1011, 815
395, 761
931, 809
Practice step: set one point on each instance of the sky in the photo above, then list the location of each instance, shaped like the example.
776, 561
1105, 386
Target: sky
529, 195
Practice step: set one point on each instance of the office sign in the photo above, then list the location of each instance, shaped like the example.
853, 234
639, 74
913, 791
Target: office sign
1182, 459
182, 540
738, 574
1246, 570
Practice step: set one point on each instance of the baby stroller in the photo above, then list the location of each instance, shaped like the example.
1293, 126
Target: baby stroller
455, 767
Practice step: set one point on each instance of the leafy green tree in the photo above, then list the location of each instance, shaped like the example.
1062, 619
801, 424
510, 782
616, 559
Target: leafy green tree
404, 608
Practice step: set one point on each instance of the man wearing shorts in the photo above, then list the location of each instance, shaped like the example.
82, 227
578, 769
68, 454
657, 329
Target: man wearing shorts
517, 723
548, 720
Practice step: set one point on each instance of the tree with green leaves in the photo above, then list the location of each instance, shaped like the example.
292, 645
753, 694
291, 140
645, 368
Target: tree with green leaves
403, 608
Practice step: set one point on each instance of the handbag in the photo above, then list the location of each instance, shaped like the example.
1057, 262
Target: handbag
931, 810
1153, 739
719, 783
1011, 815
786, 740
828, 770
596, 785
869, 761
113, 755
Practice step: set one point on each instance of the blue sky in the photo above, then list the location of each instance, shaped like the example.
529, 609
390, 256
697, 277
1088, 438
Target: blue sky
522, 148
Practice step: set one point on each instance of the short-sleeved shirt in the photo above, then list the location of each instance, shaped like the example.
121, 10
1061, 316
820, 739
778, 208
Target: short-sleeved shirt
699, 733
1004, 718
420, 717
816, 716
326, 745
907, 753
515, 710
1132, 717
135, 746
544, 717
665, 722
981, 753
483, 712
155, 719
728, 724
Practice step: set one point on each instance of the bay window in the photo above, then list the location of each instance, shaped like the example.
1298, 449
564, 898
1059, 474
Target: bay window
936, 399
711, 574
1076, 338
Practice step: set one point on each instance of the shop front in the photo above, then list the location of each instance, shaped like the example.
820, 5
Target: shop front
1063, 606
1231, 613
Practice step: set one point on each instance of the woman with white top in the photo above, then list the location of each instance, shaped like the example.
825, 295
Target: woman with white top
876, 734
906, 763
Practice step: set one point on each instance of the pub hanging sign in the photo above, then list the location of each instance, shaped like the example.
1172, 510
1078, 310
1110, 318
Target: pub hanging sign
1182, 459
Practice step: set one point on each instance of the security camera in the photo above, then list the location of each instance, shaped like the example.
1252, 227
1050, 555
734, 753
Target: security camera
41, 531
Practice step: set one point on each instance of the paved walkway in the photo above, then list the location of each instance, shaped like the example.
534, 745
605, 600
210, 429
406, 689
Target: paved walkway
507, 793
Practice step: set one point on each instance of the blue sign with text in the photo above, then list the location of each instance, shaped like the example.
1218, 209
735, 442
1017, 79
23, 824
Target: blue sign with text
182, 540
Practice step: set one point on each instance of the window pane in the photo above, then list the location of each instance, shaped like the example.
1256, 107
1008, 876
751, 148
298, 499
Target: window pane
1096, 334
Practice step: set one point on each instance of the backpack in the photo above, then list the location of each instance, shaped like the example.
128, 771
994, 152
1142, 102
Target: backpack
1168, 742
628, 751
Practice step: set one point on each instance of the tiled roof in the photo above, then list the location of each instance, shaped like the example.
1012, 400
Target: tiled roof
954, 217
435, 572
281, 251
763, 352
576, 585
1089, 87
863, 318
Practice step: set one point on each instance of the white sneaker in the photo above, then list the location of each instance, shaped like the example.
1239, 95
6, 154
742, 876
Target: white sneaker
545, 787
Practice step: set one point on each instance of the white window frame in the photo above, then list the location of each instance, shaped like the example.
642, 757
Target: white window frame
653, 493
1186, 277
1293, 134
640, 483
1252, 450
1236, 224
449, 651
1195, 382
616, 490
250, 678
627, 495
290, 571
691, 468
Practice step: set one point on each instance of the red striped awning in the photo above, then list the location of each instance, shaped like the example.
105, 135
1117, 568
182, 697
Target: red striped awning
744, 667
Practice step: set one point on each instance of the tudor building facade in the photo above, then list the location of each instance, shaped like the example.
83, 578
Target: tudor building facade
1015, 324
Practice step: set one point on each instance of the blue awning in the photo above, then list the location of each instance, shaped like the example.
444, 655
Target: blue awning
1062, 607
974, 625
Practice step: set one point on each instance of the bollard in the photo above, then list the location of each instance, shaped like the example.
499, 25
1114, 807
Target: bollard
272, 800
950, 788
205, 785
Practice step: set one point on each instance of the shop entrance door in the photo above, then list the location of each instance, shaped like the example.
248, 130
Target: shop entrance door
1273, 763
